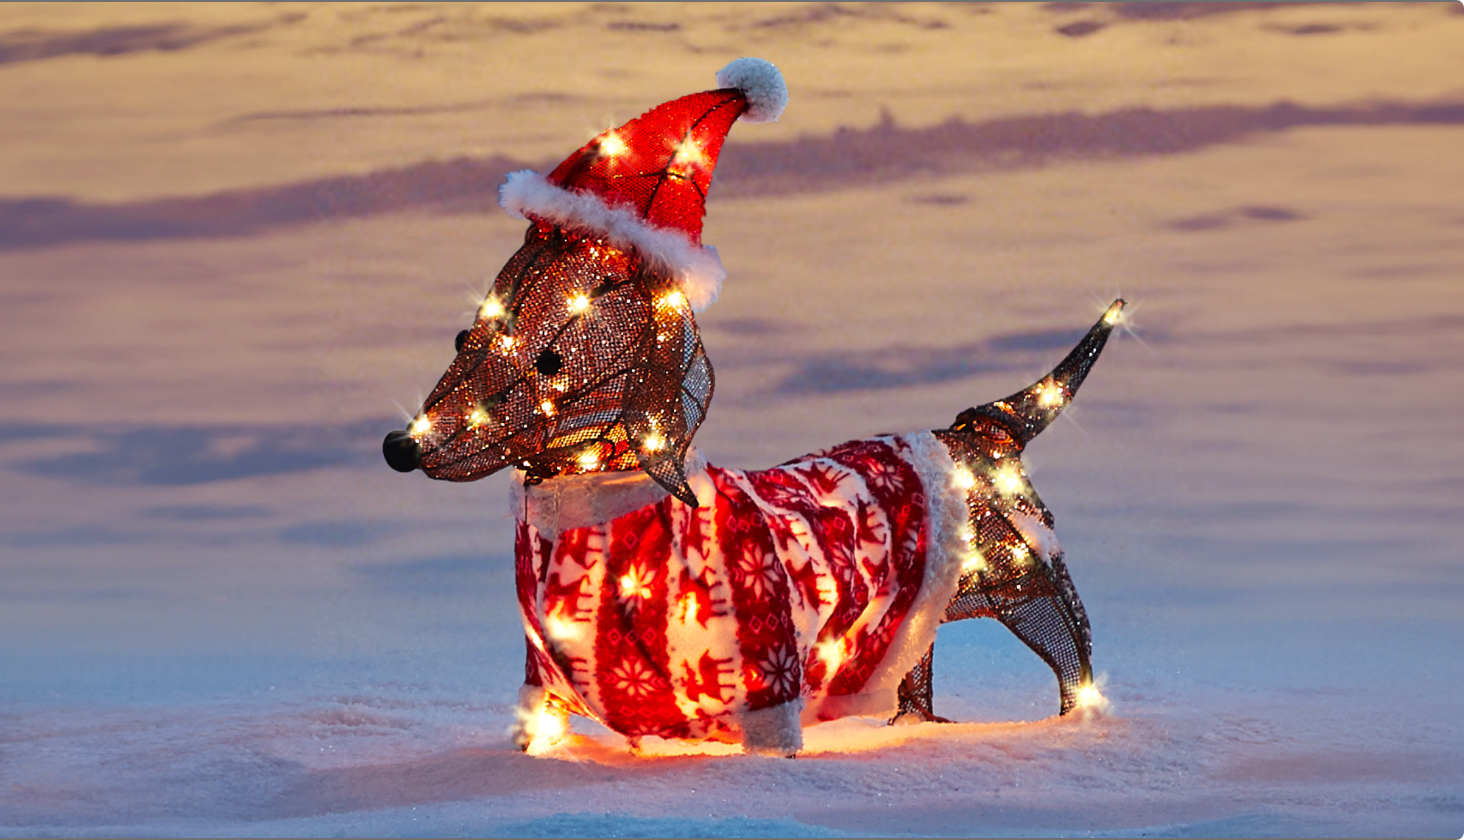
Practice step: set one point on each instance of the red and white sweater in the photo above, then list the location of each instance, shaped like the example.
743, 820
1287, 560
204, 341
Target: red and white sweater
791, 595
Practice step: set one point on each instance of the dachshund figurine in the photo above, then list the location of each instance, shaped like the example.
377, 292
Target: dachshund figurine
664, 596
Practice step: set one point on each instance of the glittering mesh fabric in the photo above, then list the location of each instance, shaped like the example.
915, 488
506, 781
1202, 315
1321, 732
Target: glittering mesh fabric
1013, 581
583, 358
915, 691
1017, 574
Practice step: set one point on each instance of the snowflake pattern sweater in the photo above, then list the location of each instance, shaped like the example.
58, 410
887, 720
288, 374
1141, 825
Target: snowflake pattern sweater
790, 595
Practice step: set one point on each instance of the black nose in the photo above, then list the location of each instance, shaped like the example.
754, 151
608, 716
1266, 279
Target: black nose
401, 451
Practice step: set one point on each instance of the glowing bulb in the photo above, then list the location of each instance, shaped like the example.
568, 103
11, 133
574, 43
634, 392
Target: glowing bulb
492, 308
1050, 394
546, 408
590, 459
545, 728
559, 630
1114, 314
975, 562
421, 426
1009, 479
579, 303
551, 726
688, 155
832, 654
1089, 695
964, 480
653, 443
612, 145
477, 417
506, 343
672, 299
1019, 554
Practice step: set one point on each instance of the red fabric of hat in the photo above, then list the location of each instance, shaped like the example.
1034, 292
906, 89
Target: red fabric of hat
643, 186
660, 164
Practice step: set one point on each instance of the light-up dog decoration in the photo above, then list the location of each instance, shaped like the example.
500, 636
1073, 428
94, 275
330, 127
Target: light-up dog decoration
662, 596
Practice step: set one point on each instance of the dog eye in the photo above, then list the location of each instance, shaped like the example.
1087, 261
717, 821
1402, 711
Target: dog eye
549, 363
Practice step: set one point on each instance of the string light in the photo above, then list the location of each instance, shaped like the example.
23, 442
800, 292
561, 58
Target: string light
975, 562
611, 145
1114, 314
964, 479
546, 727
546, 408
672, 299
590, 458
653, 443
477, 417
689, 155
560, 630
550, 728
579, 303
1090, 697
1049, 393
492, 308
421, 426
832, 653
1009, 479
506, 343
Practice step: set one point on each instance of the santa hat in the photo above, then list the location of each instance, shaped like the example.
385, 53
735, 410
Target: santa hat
644, 185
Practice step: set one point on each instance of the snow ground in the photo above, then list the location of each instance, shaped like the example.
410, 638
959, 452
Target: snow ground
232, 238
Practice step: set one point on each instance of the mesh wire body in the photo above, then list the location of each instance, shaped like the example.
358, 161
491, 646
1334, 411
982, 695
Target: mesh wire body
586, 358
583, 358
1011, 580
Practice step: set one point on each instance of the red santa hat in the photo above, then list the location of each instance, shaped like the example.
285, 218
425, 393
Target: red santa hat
644, 185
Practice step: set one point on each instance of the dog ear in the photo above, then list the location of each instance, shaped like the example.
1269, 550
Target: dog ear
666, 398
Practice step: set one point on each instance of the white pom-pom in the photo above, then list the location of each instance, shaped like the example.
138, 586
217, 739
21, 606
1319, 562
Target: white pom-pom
761, 83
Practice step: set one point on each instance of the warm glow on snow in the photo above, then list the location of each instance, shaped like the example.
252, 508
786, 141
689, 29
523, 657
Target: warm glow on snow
548, 730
